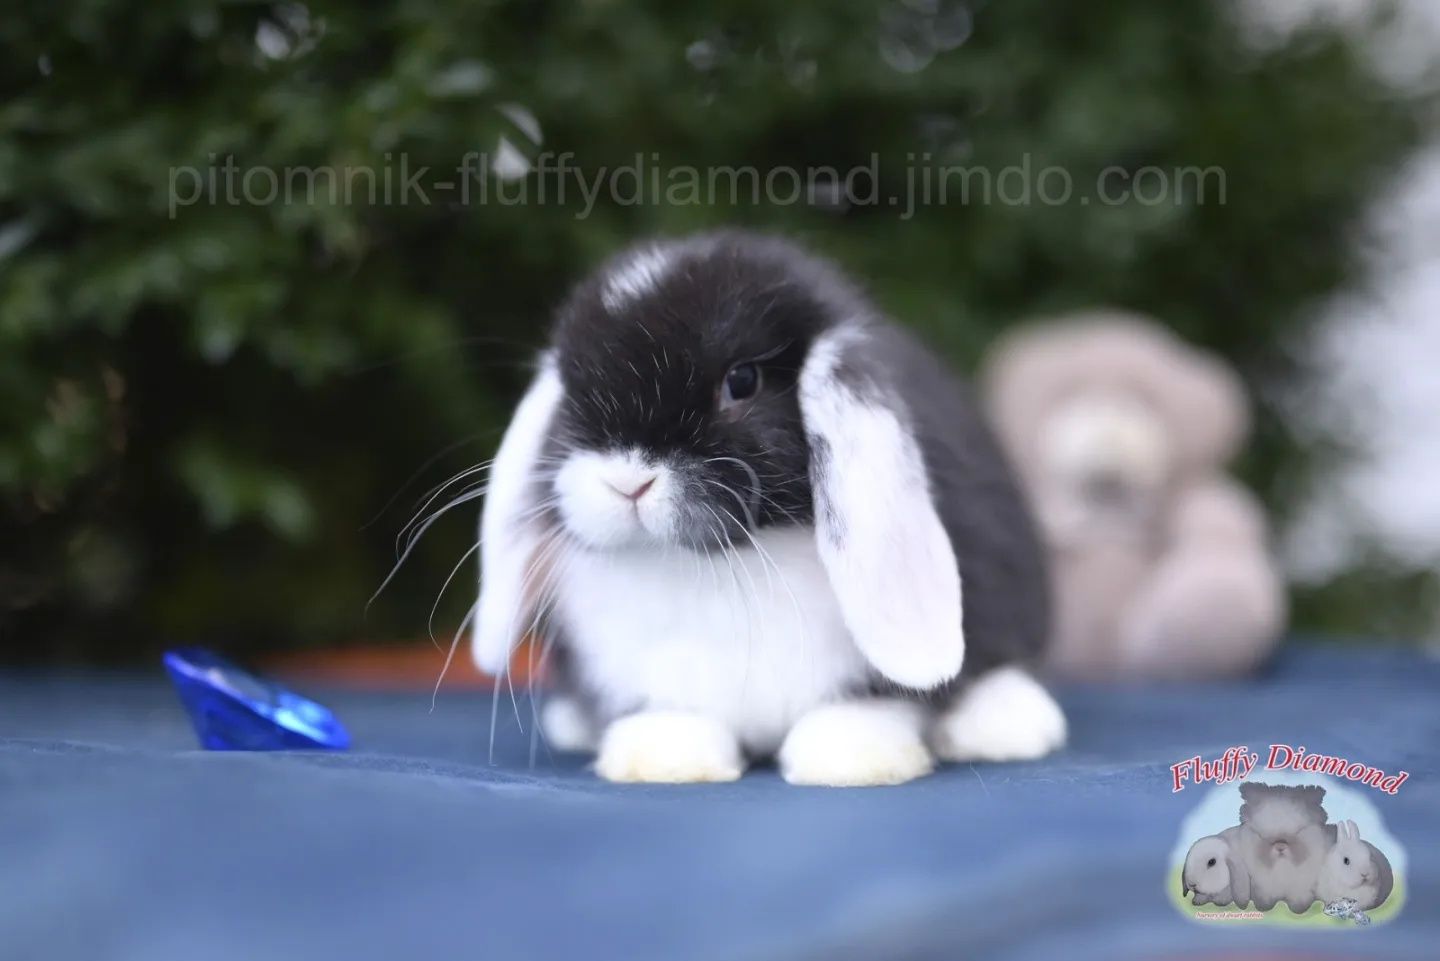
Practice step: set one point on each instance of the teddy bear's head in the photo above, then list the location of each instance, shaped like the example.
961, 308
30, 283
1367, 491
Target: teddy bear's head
1106, 414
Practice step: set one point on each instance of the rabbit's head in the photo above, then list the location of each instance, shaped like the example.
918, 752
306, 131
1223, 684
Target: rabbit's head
700, 391
1212, 869
1355, 869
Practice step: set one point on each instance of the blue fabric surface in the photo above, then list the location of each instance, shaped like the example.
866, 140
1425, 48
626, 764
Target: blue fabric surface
118, 839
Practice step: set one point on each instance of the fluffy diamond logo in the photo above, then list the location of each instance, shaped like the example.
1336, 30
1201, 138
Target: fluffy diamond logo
1285, 844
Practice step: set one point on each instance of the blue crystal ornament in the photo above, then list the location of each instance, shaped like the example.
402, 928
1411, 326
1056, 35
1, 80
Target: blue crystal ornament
233, 710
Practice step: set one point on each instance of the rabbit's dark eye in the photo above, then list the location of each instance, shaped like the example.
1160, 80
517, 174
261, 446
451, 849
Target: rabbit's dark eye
1210, 863
741, 383
1347, 860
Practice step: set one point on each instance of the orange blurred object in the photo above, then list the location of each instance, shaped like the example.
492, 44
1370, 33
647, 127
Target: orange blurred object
407, 667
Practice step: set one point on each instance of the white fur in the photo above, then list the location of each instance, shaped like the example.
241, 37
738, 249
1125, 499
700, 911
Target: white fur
857, 744
635, 278
592, 489
509, 541
752, 637
1004, 715
668, 747
566, 725
892, 565
751, 643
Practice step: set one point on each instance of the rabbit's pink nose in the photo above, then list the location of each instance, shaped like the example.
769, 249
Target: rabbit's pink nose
634, 491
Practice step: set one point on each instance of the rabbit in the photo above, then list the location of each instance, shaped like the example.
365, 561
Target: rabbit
1214, 873
737, 506
1283, 840
1354, 870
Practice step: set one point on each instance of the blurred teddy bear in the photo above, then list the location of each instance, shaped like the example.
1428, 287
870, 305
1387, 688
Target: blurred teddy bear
1121, 433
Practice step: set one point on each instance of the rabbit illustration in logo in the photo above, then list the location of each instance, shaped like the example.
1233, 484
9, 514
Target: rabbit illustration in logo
1214, 872
1354, 870
1283, 840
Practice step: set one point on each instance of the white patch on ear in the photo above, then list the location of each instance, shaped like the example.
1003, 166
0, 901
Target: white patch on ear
509, 540
857, 744
635, 278
1004, 715
884, 549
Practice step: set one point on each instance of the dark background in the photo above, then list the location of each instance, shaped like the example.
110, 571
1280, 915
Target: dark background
202, 415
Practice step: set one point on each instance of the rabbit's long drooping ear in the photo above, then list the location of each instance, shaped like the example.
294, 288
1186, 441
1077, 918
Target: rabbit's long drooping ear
510, 535
879, 537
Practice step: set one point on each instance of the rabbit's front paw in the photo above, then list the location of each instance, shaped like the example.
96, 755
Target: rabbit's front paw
856, 744
670, 747
1004, 715
566, 725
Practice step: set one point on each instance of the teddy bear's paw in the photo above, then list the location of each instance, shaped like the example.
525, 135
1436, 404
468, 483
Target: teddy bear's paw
1205, 612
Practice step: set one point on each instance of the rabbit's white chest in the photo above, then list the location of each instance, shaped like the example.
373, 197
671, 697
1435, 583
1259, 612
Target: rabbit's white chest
753, 638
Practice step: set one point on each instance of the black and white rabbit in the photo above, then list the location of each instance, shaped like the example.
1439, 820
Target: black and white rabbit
739, 506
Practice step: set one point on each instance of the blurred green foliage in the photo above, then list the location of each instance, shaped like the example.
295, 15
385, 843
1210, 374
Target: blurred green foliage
203, 404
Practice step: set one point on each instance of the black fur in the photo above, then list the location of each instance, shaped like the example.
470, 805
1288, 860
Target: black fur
648, 376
